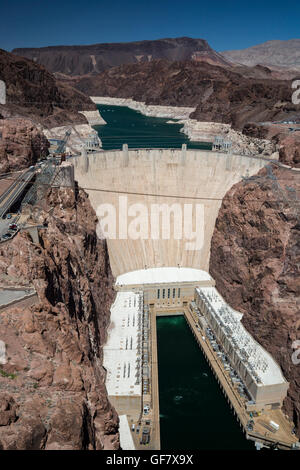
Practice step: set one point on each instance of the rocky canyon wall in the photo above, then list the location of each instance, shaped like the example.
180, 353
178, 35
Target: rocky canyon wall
52, 383
21, 144
255, 260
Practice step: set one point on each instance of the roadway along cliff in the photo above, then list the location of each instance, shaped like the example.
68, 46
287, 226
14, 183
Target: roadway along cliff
52, 391
255, 260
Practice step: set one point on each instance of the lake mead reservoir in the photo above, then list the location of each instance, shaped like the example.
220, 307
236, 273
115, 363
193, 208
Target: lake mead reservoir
125, 125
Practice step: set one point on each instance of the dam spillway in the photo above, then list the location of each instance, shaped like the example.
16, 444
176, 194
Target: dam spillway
162, 176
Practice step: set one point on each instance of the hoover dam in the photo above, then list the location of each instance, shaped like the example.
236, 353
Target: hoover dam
192, 182
171, 197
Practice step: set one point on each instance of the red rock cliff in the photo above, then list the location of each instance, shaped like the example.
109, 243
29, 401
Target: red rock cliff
255, 260
21, 144
52, 392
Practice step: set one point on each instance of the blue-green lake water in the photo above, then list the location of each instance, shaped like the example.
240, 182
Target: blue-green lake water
126, 126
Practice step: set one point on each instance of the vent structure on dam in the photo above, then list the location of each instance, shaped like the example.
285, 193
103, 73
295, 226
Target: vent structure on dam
152, 178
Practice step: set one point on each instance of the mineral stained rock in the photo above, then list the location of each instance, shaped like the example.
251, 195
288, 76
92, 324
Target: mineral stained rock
219, 94
255, 260
289, 152
94, 58
283, 136
21, 144
32, 91
52, 388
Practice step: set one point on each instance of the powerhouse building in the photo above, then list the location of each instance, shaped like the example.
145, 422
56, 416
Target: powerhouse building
260, 373
122, 353
165, 287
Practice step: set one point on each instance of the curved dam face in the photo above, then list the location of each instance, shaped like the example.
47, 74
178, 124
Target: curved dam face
170, 218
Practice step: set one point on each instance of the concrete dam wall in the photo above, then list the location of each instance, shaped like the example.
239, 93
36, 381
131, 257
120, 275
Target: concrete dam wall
177, 178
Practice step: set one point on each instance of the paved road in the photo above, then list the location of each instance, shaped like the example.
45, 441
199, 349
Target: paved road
10, 196
9, 295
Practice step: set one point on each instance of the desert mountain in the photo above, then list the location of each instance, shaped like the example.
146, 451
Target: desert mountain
284, 54
219, 94
82, 60
34, 92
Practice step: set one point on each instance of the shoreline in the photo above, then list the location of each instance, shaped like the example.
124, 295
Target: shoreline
172, 112
81, 134
197, 131
94, 118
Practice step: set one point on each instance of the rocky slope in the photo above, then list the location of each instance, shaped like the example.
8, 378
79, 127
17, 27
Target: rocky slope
284, 54
255, 259
52, 392
289, 152
33, 92
82, 60
287, 142
218, 93
21, 144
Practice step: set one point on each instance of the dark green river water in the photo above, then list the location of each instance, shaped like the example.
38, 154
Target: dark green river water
126, 126
194, 413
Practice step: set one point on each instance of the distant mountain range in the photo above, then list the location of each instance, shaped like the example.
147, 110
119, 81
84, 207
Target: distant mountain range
82, 60
235, 87
283, 54
95, 58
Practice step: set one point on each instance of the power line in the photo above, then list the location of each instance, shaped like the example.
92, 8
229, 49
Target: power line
103, 190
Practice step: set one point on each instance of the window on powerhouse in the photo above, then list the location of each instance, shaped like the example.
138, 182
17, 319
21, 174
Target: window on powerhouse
169, 293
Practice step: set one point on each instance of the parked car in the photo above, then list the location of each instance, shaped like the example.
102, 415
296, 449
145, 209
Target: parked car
8, 216
6, 236
13, 226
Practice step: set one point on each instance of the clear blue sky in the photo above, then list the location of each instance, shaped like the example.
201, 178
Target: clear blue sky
224, 24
